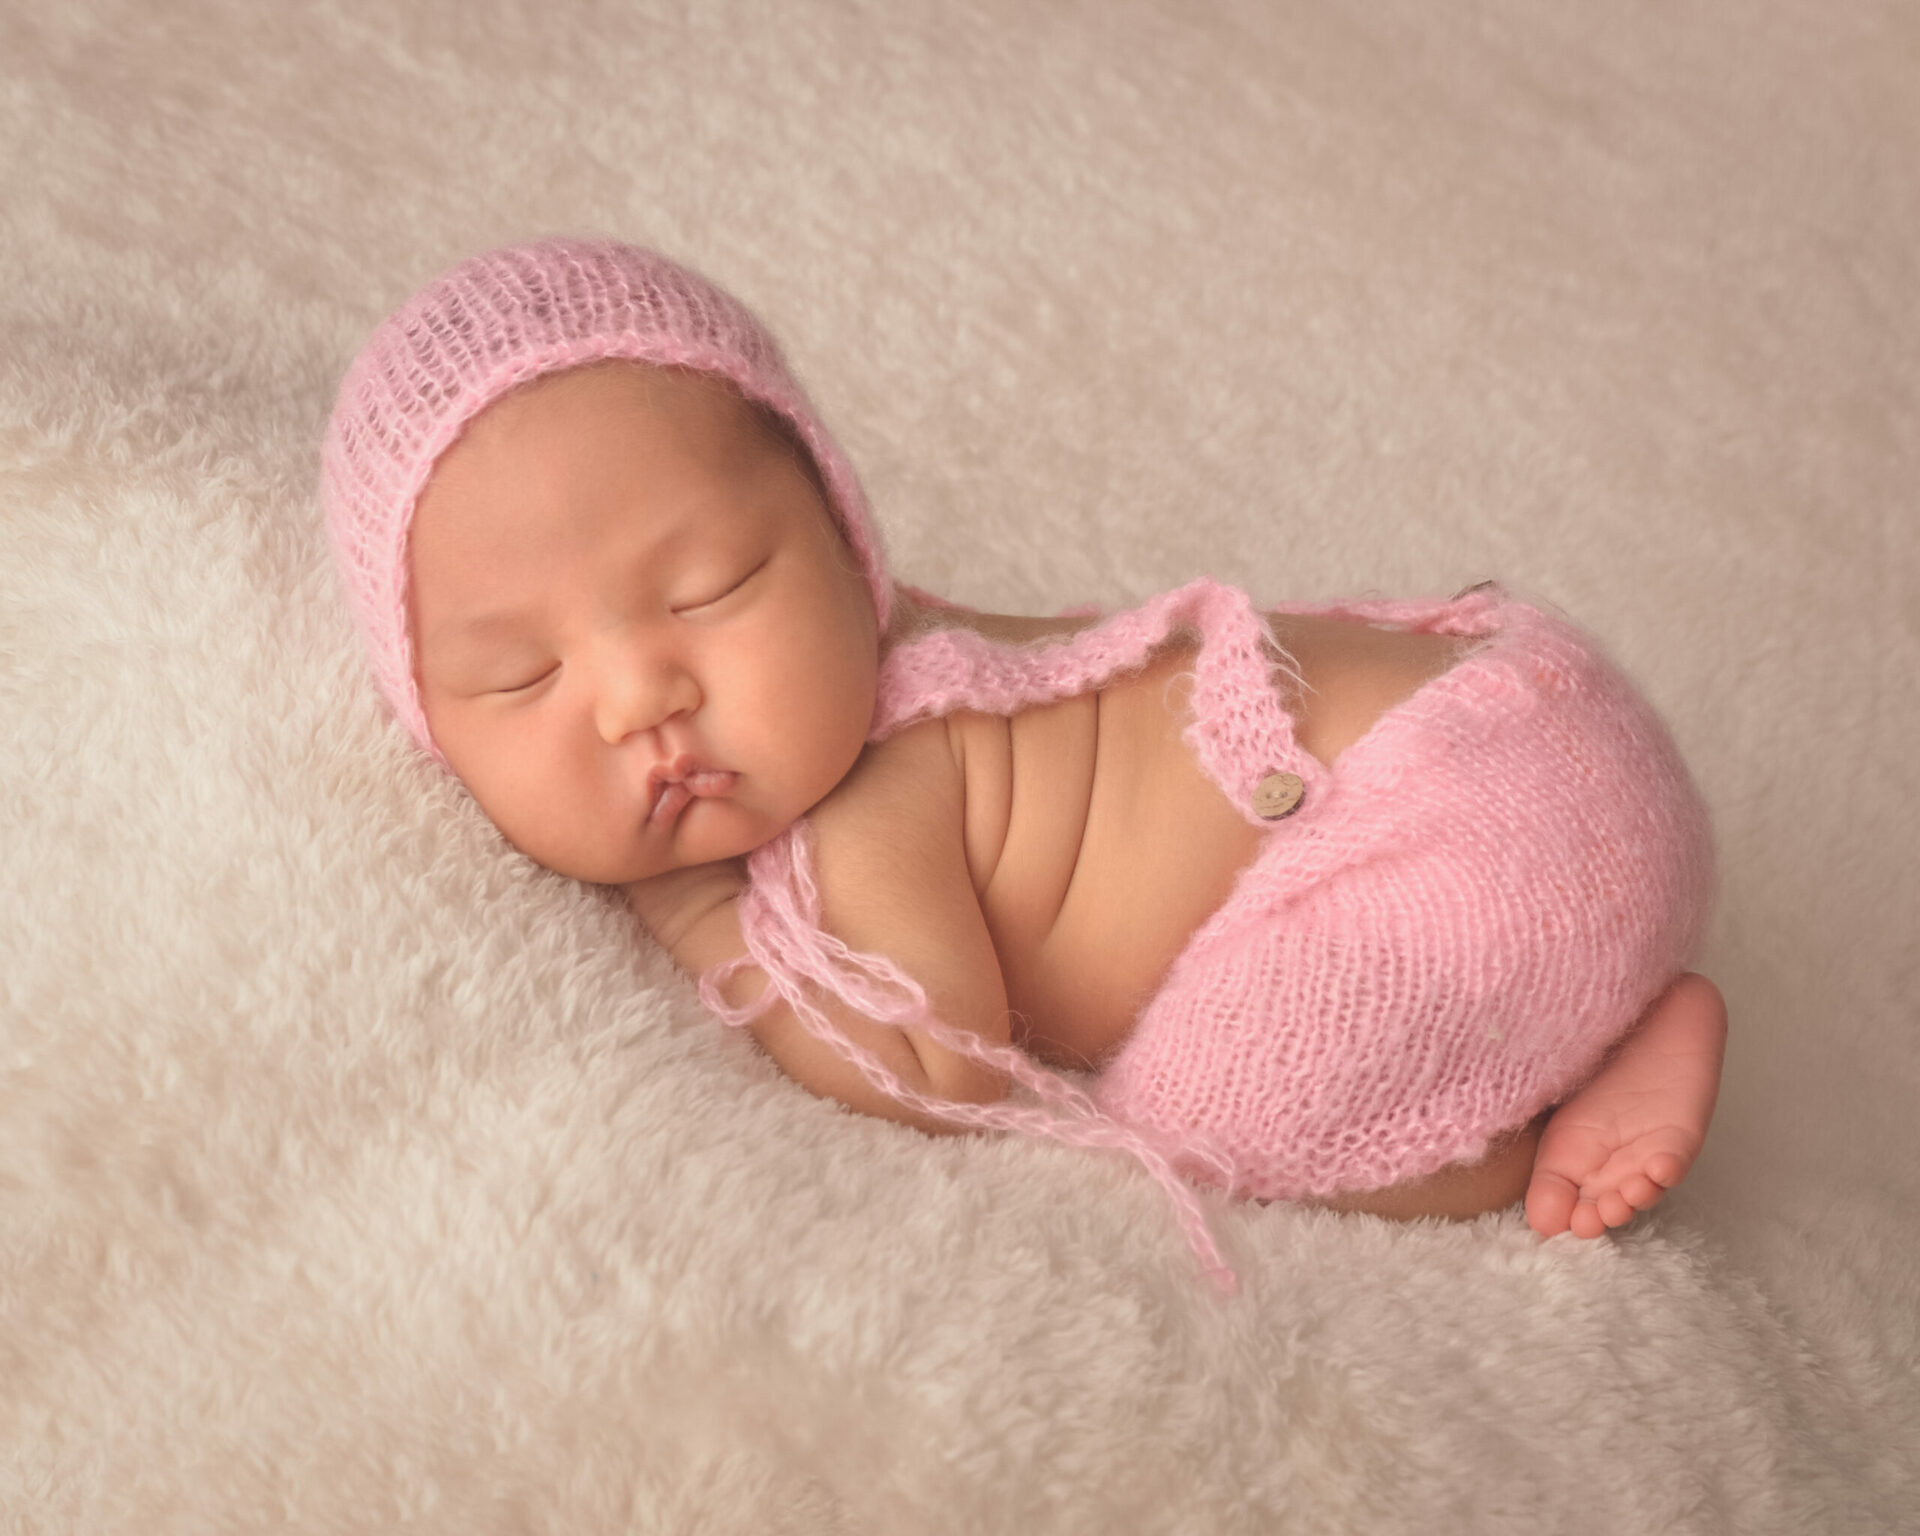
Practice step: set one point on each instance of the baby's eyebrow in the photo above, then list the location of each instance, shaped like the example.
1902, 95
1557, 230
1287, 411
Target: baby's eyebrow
482, 626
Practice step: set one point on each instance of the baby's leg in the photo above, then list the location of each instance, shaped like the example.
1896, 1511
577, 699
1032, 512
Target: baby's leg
1631, 1134
1614, 1148
1458, 1192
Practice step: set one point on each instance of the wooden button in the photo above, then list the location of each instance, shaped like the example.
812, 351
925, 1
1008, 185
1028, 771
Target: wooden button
1277, 795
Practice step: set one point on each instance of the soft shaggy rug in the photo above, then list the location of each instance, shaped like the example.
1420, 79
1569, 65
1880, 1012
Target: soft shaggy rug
355, 1174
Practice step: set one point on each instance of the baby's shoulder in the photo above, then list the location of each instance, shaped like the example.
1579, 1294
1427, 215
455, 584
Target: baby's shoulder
891, 865
907, 792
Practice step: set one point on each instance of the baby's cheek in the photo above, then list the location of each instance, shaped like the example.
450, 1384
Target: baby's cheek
521, 783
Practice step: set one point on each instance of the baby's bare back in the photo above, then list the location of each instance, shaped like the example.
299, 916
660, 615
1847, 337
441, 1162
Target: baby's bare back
1092, 840
1035, 874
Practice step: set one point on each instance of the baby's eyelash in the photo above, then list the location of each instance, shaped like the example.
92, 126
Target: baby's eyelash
530, 683
710, 601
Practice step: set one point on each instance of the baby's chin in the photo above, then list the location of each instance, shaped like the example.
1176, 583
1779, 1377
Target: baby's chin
723, 834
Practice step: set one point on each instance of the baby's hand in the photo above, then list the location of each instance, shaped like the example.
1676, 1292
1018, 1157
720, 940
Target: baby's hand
1626, 1138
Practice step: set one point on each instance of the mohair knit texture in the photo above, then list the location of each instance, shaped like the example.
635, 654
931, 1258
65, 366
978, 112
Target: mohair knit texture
1443, 938
499, 320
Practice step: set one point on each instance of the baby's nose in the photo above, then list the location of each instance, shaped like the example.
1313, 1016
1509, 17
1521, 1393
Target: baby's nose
638, 697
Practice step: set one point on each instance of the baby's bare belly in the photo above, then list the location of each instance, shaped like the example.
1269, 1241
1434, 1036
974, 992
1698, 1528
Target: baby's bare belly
1096, 843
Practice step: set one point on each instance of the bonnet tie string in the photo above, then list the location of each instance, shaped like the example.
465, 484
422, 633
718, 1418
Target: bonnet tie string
779, 921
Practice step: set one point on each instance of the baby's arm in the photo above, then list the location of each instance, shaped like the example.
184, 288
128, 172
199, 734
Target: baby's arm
892, 871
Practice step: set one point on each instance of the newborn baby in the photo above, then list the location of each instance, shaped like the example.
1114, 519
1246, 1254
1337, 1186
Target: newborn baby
1327, 902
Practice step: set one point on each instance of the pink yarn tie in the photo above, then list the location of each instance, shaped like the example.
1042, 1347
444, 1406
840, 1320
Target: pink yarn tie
780, 922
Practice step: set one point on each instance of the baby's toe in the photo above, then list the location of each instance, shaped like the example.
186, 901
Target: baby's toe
1586, 1220
1613, 1208
1550, 1202
1666, 1169
1641, 1192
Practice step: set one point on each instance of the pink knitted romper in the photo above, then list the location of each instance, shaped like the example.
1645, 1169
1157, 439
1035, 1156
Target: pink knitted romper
1442, 938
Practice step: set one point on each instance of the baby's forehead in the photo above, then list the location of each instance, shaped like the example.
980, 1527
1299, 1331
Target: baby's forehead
590, 430
701, 406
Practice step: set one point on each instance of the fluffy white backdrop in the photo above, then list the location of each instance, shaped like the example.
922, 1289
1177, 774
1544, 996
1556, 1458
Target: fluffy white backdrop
355, 1173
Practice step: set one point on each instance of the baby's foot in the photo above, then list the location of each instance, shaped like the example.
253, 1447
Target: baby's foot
1633, 1131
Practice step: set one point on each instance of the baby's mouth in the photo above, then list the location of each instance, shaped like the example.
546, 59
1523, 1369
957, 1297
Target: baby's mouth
681, 782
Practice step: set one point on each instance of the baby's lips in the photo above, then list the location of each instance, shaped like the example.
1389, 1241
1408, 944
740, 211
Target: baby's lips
676, 793
674, 796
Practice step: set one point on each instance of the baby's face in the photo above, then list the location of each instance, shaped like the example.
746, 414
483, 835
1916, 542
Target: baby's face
641, 641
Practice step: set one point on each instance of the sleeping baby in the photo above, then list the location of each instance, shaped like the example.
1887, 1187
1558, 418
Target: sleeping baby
1378, 905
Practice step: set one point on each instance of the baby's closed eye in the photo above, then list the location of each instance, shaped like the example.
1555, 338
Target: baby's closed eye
726, 589
529, 684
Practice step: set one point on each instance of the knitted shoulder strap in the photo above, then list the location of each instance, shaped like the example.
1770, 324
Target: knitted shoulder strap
958, 668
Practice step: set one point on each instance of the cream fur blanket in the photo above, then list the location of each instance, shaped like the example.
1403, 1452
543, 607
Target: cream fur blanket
355, 1174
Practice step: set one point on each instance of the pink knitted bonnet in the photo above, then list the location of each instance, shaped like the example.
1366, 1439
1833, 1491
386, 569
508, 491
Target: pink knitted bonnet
494, 322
